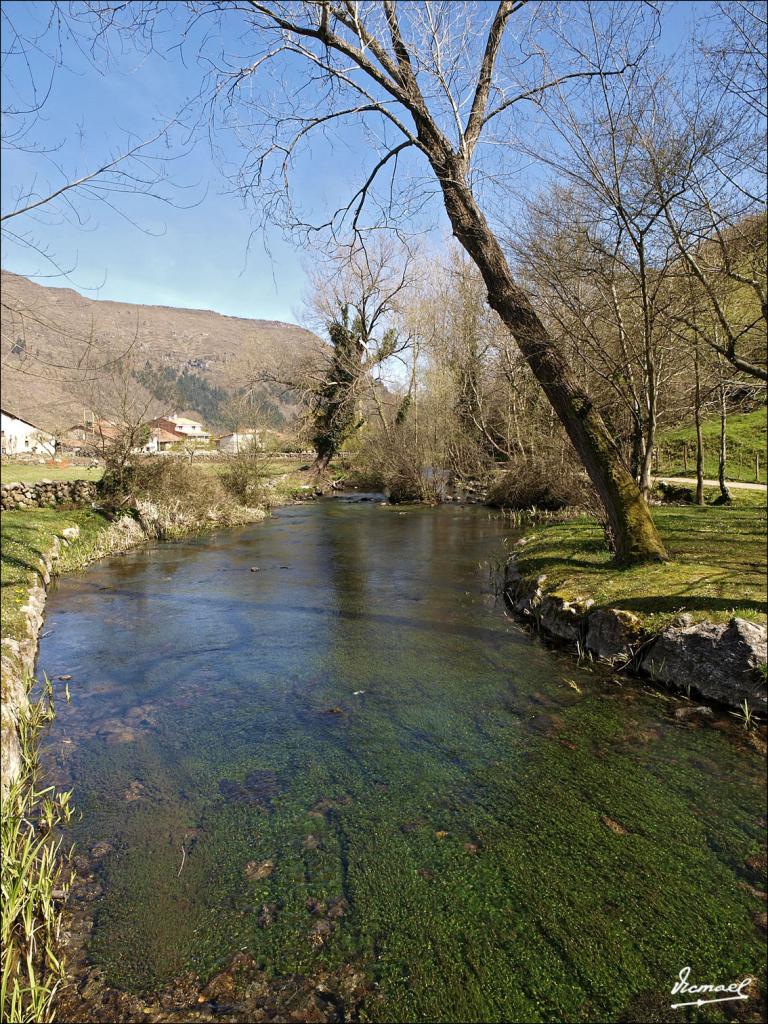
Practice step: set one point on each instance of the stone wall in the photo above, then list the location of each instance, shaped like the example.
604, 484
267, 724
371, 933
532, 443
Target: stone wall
722, 662
47, 494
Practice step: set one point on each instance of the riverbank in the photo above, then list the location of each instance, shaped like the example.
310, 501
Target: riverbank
696, 623
38, 544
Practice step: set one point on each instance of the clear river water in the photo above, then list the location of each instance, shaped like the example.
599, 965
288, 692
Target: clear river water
347, 786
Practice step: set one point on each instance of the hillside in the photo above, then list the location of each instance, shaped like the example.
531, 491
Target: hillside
191, 359
745, 437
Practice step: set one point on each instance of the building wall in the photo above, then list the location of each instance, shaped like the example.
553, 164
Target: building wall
19, 436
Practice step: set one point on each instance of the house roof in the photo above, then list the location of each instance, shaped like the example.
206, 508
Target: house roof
165, 435
13, 416
183, 421
100, 428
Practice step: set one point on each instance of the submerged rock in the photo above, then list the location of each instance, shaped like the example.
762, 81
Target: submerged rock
614, 826
255, 871
716, 661
267, 915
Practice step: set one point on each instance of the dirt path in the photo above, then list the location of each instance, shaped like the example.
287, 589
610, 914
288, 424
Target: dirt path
735, 485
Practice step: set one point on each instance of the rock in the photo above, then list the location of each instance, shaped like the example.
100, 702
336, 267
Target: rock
319, 932
337, 907
610, 634
267, 914
135, 791
719, 662
614, 826
689, 712
560, 619
255, 871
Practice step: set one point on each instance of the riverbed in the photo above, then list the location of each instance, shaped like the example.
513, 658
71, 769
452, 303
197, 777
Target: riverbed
320, 772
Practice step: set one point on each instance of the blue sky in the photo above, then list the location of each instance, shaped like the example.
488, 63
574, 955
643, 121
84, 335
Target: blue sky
191, 257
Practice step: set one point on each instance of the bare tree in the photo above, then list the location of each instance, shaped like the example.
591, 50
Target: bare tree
709, 179
120, 408
445, 81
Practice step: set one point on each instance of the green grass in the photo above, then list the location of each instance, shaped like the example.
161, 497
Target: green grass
11, 473
28, 535
717, 565
32, 865
746, 438
33, 877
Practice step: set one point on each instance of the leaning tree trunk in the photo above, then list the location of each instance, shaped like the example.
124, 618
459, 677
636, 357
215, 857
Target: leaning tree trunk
634, 535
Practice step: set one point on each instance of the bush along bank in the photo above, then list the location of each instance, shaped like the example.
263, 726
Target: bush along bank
695, 624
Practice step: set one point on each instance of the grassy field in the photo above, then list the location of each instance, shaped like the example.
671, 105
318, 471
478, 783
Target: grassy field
717, 565
746, 438
26, 474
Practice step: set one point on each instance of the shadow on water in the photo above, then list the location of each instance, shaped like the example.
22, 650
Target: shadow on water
347, 784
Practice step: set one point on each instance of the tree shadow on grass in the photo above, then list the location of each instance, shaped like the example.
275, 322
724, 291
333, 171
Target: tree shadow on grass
687, 602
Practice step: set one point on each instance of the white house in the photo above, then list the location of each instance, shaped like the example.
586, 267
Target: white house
19, 436
159, 441
231, 444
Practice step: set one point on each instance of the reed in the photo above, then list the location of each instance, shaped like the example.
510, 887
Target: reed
34, 880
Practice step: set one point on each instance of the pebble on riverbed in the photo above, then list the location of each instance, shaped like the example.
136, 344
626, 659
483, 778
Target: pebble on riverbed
255, 871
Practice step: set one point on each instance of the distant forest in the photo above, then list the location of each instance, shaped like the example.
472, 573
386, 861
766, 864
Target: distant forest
187, 390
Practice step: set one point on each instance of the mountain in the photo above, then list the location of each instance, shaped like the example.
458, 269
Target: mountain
54, 345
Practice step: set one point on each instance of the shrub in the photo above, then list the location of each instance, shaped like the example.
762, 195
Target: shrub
544, 485
171, 497
246, 477
673, 494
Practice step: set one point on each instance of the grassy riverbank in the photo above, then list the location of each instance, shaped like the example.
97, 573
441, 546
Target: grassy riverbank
33, 878
717, 566
26, 538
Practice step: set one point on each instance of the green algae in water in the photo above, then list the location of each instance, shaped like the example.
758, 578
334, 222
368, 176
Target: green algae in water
496, 847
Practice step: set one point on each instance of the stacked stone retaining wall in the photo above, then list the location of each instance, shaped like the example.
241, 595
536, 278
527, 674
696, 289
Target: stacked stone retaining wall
47, 494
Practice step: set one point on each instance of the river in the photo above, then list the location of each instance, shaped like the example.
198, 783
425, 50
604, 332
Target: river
319, 772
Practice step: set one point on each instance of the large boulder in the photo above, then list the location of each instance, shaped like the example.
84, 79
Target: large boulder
561, 619
724, 663
611, 634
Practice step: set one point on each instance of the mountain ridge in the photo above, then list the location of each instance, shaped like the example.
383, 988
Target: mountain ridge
50, 336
